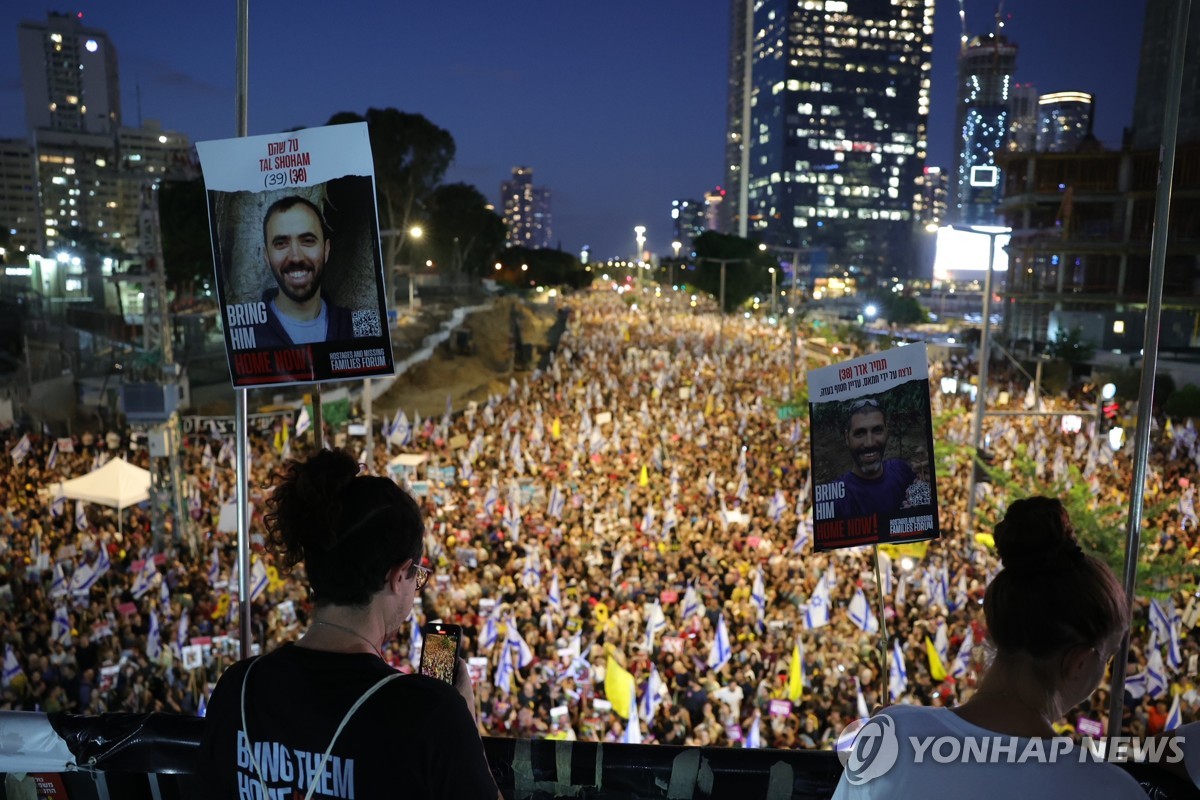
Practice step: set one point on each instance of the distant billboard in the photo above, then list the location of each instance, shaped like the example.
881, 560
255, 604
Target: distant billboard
961, 252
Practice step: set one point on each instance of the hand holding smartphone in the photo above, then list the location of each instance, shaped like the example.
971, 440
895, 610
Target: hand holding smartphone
440, 651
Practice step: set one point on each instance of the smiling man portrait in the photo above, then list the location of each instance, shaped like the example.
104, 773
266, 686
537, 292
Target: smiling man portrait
296, 245
874, 484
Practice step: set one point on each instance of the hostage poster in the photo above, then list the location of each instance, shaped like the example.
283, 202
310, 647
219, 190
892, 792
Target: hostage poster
872, 450
295, 239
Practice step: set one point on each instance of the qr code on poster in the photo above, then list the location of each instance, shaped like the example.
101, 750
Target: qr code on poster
366, 323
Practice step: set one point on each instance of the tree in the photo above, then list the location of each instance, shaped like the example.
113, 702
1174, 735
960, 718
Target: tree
745, 274
545, 267
411, 155
901, 309
464, 233
1070, 346
186, 241
1184, 402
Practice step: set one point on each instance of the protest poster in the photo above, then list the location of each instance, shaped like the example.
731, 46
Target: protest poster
299, 272
872, 450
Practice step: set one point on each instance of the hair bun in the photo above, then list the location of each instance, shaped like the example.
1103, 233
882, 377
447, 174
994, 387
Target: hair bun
1036, 535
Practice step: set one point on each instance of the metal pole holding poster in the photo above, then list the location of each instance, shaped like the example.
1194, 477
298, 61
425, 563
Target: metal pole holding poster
1158, 262
318, 419
241, 426
883, 636
370, 443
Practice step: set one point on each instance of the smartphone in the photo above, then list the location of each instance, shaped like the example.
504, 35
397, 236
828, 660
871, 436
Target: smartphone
439, 650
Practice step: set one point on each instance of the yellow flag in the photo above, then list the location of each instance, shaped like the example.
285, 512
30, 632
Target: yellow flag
795, 688
912, 549
708, 406
618, 687
986, 539
644, 477
556, 429
936, 670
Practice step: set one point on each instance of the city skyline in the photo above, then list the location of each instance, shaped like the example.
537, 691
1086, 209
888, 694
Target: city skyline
567, 104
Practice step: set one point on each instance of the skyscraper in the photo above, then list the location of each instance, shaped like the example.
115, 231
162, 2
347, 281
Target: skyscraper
687, 222
69, 75
1064, 121
985, 70
838, 98
1151, 97
1023, 119
526, 210
932, 191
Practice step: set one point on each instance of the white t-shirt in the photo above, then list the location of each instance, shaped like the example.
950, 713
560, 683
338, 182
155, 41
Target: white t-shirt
947, 769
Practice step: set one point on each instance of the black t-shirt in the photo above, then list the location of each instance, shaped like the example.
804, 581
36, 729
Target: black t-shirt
414, 738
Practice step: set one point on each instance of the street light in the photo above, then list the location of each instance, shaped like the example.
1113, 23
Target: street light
773, 292
990, 231
675, 245
639, 235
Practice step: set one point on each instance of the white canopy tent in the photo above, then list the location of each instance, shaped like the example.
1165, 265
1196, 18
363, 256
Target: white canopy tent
118, 484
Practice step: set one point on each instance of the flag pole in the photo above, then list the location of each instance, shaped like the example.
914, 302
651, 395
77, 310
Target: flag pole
242, 449
883, 636
318, 419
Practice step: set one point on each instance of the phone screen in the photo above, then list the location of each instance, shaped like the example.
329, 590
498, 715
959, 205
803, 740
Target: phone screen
439, 654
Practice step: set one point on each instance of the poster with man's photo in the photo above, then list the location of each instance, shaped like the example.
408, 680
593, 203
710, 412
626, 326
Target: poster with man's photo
299, 273
872, 450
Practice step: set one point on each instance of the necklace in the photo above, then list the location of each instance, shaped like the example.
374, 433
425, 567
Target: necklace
350, 631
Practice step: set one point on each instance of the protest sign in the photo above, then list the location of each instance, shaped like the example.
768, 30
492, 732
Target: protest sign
872, 450
299, 273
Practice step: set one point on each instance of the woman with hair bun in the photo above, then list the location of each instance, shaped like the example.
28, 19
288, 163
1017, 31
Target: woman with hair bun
326, 716
1055, 618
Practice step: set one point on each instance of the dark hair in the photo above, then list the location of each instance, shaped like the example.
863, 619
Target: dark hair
287, 204
348, 529
1050, 594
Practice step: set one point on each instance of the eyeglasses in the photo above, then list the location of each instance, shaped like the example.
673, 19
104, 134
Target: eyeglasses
423, 575
866, 402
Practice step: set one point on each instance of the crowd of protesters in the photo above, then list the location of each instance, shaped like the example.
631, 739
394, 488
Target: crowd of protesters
636, 506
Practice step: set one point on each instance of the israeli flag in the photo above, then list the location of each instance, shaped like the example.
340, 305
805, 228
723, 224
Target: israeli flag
402, 431
720, 652
12, 668
885, 574
144, 580
656, 623
816, 613
633, 726
861, 614
743, 488
617, 568
674, 481
1174, 716
490, 500
154, 638
21, 450
512, 521
691, 603
531, 578
491, 632
60, 628
164, 592
1160, 621
181, 632
1156, 675
803, 536
962, 661
52, 459
758, 596
777, 506
81, 520
1174, 653
515, 642
897, 673
656, 690
553, 597
1135, 685
202, 709
753, 739
214, 568
648, 520
304, 421
710, 484
670, 519
415, 640
58, 586
206, 459
58, 505
83, 579
258, 579
860, 702
557, 502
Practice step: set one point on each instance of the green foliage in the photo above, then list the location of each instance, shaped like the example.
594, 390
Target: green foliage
546, 268
186, 240
1184, 402
745, 275
1070, 346
1128, 381
901, 309
463, 232
411, 155
1099, 525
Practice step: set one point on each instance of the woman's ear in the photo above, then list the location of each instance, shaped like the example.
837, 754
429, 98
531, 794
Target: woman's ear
397, 574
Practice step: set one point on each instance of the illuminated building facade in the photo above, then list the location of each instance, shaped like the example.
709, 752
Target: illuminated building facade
687, 222
839, 95
1151, 98
933, 191
1064, 121
1023, 119
69, 74
526, 211
985, 70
